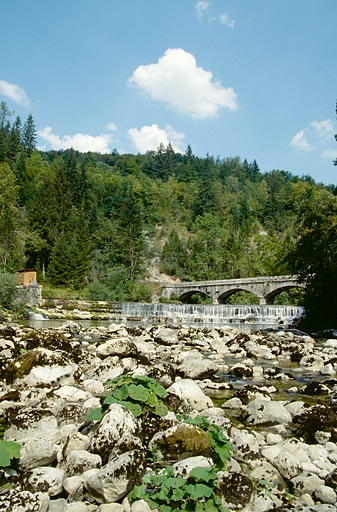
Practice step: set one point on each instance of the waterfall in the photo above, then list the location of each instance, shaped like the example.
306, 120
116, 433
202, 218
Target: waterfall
216, 315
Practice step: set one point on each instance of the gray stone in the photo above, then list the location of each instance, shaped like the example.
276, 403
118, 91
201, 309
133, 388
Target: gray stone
79, 461
37, 452
266, 413
46, 479
189, 390
116, 478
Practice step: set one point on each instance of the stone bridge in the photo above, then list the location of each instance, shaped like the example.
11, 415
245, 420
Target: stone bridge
265, 288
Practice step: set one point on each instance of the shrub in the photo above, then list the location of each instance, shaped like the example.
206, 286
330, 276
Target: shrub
138, 394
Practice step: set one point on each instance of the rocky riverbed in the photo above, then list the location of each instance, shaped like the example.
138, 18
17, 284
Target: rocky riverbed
272, 395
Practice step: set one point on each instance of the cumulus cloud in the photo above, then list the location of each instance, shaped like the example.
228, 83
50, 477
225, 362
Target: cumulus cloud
177, 81
318, 134
150, 137
300, 142
14, 92
324, 129
79, 141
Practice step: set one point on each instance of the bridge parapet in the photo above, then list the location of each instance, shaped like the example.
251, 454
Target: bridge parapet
265, 288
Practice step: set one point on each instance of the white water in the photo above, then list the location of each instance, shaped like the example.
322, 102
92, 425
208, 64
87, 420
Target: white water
136, 313
222, 314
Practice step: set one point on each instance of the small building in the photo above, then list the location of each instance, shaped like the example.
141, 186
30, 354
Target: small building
26, 276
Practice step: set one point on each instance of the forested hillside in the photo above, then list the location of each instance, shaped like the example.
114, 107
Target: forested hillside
95, 223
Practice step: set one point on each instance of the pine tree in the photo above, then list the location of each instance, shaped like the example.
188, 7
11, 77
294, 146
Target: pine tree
29, 135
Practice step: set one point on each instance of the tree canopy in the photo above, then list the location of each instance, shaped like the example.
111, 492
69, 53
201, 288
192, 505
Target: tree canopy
100, 222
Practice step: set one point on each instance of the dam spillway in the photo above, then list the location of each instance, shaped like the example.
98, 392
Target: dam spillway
211, 315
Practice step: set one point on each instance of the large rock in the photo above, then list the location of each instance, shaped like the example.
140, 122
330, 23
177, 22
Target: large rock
167, 336
180, 442
116, 424
188, 390
31, 422
16, 500
117, 347
197, 368
79, 461
46, 479
266, 413
40, 367
36, 452
117, 478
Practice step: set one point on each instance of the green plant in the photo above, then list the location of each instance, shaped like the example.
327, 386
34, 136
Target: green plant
138, 394
8, 450
167, 492
218, 440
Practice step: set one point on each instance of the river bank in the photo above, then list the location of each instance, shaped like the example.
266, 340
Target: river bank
273, 395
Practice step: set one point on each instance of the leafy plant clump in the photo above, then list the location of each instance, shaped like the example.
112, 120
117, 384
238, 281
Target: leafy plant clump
168, 492
139, 394
218, 440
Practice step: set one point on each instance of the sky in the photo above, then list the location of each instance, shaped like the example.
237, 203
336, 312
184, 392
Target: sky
250, 78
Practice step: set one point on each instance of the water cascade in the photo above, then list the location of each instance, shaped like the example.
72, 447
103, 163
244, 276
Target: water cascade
217, 315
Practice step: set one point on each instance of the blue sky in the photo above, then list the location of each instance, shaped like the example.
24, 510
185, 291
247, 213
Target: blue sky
250, 78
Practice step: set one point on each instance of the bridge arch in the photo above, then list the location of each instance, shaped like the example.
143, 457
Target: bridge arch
224, 295
273, 294
186, 295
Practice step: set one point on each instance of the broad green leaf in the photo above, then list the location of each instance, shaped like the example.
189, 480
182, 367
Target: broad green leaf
197, 491
4, 459
137, 493
153, 504
202, 474
210, 506
178, 494
199, 507
175, 481
95, 414
12, 448
159, 390
152, 400
163, 494
134, 408
110, 400
138, 392
121, 393
161, 409
164, 508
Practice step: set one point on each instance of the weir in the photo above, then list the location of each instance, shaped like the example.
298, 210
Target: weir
210, 315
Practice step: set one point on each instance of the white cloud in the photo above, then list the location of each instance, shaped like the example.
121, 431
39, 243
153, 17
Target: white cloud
300, 142
318, 134
201, 7
79, 141
177, 81
150, 137
14, 92
330, 154
111, 126
225, 20
324, 129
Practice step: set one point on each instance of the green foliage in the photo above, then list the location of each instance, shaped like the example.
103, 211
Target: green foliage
168, 492
9, 450
8, 292
137, 393
314, 258
218, 440
90, 221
